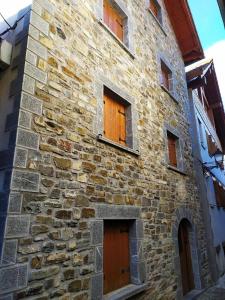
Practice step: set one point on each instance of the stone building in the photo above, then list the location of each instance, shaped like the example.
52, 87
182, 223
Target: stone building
98, 194
208, 128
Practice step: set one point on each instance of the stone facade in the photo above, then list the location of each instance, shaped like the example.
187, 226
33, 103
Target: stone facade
66, 180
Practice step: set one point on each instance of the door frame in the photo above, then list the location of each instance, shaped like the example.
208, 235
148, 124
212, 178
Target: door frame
181, 214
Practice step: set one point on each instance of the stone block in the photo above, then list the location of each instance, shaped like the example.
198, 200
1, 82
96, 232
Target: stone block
9, 252
17, 226
31, 103
25, 181
15, 200
13, 278
37, 48
27, 139
44, 273
117, 212
47, 5
97, 232
39, 23
25, 119
20, 158
97, 287
31, 57
136, 229
28, 84
98, 259
34, 72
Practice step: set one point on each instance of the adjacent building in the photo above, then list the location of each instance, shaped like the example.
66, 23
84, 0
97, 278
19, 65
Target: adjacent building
98, 189
221, 4
208, 128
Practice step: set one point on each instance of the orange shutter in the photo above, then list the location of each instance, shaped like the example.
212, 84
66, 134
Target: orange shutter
114, 119
122, 124
116, 259
154, 8
172, 149
110, 119
113, 20
165, 77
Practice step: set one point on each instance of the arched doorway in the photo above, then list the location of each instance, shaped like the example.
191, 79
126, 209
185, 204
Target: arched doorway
185, 256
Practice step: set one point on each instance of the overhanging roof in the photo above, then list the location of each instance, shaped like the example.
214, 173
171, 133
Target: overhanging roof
185, 30
221, 4
203, 73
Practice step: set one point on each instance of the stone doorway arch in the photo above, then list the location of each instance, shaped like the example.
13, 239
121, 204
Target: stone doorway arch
184, 219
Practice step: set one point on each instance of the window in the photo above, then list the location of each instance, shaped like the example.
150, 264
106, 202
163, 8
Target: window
156, 10
116, 256
113, 19
114, 117
172, 149
211, 145
220, 194
201, 133
166, 77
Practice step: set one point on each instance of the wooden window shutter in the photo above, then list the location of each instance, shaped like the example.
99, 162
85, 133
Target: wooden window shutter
116, 258
165, 77
113, 20
172, 148
114, 118
154, 8
122, 124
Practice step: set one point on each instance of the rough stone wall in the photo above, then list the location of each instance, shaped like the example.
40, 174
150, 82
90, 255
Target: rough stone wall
64, 173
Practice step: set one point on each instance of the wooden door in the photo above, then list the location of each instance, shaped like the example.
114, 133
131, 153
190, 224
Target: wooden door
185, 258
116, 261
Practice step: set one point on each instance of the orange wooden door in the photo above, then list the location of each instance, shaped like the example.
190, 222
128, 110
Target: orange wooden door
185, 259
116, 265
172, 150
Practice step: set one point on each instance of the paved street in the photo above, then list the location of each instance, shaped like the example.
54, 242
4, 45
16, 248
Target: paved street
216, 292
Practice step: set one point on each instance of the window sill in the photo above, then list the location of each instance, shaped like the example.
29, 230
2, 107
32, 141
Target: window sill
169, 93
176, 170
125, 292
117, 39
127, 149
157, 21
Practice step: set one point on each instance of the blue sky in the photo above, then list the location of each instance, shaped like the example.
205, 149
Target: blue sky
208, 21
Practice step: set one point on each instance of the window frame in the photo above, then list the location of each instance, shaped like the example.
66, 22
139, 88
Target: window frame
158, 18
161, 58
127, 43
131, 116
179, 150
170, 137
136, 240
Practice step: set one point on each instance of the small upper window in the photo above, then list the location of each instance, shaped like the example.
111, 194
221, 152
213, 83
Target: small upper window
172, 148
113, 19
166, 77
211, 145
115, 117
156, 10
219, 194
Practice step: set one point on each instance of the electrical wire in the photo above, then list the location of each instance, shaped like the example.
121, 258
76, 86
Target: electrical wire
5, 20
14, 25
